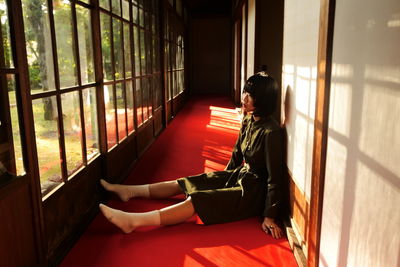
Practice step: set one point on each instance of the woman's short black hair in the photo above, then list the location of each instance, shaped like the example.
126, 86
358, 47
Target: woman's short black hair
264, 90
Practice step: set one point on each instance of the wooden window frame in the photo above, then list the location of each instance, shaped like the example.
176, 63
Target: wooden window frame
324, 70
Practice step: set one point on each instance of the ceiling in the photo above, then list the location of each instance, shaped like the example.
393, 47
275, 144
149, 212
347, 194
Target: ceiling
205, 7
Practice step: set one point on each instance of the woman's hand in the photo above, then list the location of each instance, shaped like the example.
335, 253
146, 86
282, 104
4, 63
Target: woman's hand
269, 225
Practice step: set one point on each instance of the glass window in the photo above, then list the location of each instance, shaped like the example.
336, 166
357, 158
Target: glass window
38, 45
179, 7
127, 51
153, 24
135, 16
121, 115
65, 50
116, 7
16, 133
72, 130
149, 95
146, 20
148, 53
125, 9
139, 108
136, 50
142, 51
141, 17
118, 52
91, 126
105, 4
85, 44
5, 32
106, 46
46, 132
145, 98
129, 105
110, 116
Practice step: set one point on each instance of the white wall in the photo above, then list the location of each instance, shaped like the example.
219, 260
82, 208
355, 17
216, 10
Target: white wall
361, 215
300, 49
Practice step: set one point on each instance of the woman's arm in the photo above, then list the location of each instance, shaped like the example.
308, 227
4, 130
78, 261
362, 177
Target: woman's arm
274, 154
237, 155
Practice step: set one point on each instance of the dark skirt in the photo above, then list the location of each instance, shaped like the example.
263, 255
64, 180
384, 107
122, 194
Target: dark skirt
225, 196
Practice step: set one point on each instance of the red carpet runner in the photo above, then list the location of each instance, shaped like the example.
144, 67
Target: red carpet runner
199, 139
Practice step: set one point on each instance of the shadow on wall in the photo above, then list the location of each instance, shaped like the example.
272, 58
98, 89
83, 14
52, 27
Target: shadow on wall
362, 184
296, 200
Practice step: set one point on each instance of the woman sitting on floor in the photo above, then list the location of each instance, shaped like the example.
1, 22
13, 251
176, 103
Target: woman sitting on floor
249, 185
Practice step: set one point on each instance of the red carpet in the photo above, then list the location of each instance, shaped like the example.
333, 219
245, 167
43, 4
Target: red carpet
199, 139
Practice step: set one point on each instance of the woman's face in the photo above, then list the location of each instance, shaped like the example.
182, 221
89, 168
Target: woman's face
247, 102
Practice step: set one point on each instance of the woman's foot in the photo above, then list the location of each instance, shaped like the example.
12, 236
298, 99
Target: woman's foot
122, 191
123, 220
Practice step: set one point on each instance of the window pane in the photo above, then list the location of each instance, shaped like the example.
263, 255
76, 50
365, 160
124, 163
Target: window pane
65, 45
5, 38
85, 44
148, 52
154, 45
135, 14
116, 7
38, 45
150, 91
129, 105
146, 20
106, 46
105, 4
141, 17
72, 130
110, 116
125, 9
46, 132
86, 1
159, 90
145, 92
118, 53
153, 24
127, 51
139, 109
179, 7
182, 80
91, 126
137, 51
121, 111
142, 51
168, 85
174, 84
183, 58
20, 170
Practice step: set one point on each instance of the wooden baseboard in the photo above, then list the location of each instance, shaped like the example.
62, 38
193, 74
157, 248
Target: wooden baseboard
295, 245
299, 221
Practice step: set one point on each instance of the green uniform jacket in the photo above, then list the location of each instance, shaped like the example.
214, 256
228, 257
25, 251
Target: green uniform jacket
250, 184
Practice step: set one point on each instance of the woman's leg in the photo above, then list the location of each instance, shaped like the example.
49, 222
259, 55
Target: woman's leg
128, 222
157, 190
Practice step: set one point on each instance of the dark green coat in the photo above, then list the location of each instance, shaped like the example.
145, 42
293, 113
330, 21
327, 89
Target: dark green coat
249, 185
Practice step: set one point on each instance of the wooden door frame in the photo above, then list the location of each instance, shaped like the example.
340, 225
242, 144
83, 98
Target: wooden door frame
324, 70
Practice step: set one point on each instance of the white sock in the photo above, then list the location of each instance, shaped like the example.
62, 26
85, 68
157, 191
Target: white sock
126, 192
127, 221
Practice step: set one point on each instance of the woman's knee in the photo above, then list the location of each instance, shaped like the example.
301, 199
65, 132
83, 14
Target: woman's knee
189, 204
